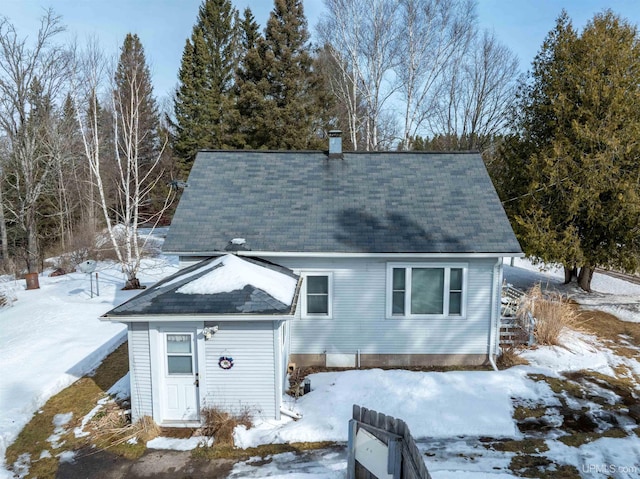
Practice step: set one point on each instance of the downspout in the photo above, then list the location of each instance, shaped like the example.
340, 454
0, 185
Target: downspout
495, 316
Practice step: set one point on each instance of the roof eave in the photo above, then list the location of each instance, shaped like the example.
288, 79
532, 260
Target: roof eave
318, 254
190, 317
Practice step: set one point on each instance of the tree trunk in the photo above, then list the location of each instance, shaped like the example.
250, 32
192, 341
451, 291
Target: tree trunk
570, 272
133, 283
584, 277
33, 255
3, 229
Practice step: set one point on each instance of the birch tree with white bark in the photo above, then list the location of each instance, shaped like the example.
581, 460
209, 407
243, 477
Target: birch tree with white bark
437, 33
136, 167
418, 67
363, 38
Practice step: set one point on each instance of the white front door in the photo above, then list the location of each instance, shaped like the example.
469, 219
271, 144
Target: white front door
180, 377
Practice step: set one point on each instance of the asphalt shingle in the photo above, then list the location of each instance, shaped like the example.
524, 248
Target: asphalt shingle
368, 202
163, 298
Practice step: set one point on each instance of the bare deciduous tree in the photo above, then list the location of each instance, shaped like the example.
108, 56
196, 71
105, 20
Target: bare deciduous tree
4, 155
31, 79
418, 66
479, 88
134, 182
436, 33
362, 35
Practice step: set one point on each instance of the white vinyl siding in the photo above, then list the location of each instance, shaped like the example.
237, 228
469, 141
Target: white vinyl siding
359, 311
140, 368
251, 382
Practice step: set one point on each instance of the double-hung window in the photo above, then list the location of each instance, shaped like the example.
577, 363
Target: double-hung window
317, 295
426, 290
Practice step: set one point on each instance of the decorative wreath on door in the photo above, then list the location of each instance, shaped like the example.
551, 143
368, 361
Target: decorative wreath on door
225, 362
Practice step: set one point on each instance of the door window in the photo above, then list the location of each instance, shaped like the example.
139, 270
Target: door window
179, 354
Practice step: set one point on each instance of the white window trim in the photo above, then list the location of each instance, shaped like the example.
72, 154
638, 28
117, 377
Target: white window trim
447, 276
303, 295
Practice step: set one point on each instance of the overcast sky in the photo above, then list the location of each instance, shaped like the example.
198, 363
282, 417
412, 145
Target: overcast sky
164, 25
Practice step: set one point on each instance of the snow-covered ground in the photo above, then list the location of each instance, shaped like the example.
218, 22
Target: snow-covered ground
52, 336
449, 412
611, 295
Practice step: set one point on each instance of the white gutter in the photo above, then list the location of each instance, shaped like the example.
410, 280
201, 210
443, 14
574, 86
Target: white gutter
293, 415
495, 315
299, 254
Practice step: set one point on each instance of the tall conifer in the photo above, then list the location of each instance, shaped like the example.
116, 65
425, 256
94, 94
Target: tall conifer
203, 103
133, 72
294, 85
252, 86
277, 86
579, 129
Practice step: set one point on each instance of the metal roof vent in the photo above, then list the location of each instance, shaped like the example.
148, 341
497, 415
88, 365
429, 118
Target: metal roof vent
237, 244
335, 144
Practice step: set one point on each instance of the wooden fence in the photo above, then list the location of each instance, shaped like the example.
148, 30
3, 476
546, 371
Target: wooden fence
382, 445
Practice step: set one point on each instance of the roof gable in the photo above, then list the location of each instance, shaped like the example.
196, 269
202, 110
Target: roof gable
301, 201
221, 285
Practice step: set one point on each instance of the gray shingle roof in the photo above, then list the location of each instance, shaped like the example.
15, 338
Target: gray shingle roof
301, 201
163, 299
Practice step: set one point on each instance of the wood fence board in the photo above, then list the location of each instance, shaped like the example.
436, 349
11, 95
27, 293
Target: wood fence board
405, 460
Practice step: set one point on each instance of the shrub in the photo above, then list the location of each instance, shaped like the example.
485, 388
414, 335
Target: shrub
552, 312
7, 291
220, 424
510, 357
113, 426
146, 429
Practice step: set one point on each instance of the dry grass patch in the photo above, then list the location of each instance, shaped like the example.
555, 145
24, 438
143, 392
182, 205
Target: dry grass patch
522, 413
526, 465
220, 424
510, 357
624, 387
554, 314
113, 430
579, 439
524, 446
79, 398
560, 386
265, 450
607, 326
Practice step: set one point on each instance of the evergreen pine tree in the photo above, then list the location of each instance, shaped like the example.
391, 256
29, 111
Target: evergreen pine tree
137, 110
204, 106
278, 90
579, 129
252, 86
133, 71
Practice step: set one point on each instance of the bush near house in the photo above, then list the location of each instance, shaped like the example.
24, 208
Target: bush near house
553, 314
220, 424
